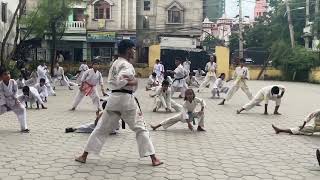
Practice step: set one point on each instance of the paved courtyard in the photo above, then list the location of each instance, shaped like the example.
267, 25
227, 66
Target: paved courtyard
234, 146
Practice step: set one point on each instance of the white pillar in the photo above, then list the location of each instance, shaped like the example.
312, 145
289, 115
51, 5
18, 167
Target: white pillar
119, 17
126, 14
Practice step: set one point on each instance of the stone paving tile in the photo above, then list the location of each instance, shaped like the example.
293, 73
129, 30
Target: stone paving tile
234, 146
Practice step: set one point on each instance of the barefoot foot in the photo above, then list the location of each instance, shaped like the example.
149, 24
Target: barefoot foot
275, 129
81, 159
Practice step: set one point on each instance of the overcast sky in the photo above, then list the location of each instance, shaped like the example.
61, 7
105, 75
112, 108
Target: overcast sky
232, 8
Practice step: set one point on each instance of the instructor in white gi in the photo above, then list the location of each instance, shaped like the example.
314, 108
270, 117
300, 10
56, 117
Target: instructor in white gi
121, 104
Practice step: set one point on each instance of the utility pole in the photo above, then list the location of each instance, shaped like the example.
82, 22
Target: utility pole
306, 38
316, 23
290, 24
240, 30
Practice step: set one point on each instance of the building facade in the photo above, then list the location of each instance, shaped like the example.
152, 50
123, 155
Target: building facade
168, 22
108, 22
7, 9
261, 8
213, 9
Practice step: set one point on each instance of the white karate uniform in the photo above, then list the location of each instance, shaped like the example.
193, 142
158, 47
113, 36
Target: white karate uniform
33, 79
169, 79
33, 97
218, 86
240, 75
192, 81
9, 102
163, 99
160, 78
211, 75
186, 65
58, 76
121, 105
92, 78
188, 109
42, 72
198, 75
312, 124
42, 90
151, 81
264, 94
83, 68
21, 83
179, 82
158, 69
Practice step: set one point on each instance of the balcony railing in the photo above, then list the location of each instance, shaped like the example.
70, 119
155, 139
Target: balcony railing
75, 27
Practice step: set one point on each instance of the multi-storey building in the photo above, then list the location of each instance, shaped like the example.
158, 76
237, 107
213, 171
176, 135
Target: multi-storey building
213, 9
261, 8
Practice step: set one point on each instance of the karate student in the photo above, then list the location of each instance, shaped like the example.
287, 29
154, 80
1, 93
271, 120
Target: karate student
163, 98
192, 81
310, 125
211, 68
83, 68
218, 86
89, 127
32, 80
152, 82
240, 77
31, 95
179, 82
186, 65
121, 104
42, 72
9, 99
42, 89
188, 114
21, 82
58, 76
90, 79
274, 93
157, 68
168, 78
161, 78
198, 74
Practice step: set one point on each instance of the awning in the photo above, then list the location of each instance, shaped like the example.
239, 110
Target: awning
182, 49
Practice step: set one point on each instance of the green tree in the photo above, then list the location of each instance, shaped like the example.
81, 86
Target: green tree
48, 21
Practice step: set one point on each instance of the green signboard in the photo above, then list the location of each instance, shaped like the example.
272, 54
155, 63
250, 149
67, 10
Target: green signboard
101, 37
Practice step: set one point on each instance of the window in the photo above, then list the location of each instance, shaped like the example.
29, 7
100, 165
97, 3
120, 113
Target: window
4, 12
174, 15
102, 10
146, 5
145, 22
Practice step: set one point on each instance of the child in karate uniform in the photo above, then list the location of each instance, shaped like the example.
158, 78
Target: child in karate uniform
152, 82
58, 76
198, 74
90, 79
179, 82
211, 68
83, 68
9, 99
89, 127
188, 114
31, 95
274, 93
163, 98
218, 87
42, 89
192, 81
310, 125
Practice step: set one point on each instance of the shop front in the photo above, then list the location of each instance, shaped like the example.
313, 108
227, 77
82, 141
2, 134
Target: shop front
101, 45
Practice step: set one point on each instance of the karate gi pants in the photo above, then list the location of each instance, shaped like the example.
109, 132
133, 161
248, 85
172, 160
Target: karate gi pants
94, 97
62, 81
110, 121
159, 104
215, 91
257, 100
241, 84
207, 80
20, 112
180, 117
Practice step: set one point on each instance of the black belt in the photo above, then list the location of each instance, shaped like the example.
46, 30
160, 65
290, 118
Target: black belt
128, 92
122, 91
